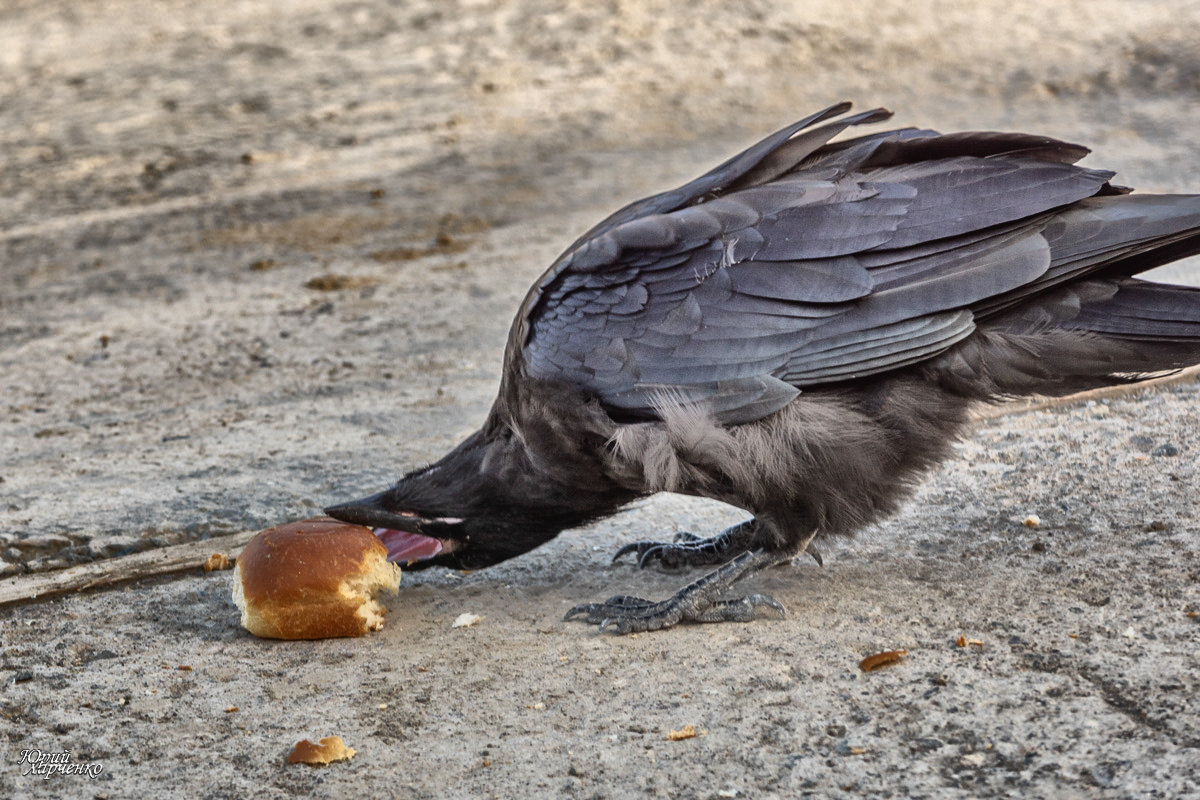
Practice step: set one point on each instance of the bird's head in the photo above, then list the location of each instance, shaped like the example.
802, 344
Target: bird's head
424, 523
466, 511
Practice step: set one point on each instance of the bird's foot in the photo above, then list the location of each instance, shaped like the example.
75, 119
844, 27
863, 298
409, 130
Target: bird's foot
697, 602
690, 550
625, 614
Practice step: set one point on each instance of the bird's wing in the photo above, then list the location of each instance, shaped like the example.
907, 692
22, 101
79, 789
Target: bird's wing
797, 264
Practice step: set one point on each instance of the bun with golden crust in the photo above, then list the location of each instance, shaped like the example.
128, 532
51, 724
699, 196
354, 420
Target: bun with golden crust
331, 749
313, 579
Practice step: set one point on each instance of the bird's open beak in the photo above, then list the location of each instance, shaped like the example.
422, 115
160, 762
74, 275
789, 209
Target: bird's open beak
408, 548
399, 532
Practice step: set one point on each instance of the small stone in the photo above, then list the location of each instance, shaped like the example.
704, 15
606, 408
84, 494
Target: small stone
46, 543
927, 745
1166, 450
1032, 521
110, 546
973, 759
1102, 775
466, 620
1143, 443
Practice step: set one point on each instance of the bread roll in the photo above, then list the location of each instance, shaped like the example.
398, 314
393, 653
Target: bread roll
331, 749
313, 579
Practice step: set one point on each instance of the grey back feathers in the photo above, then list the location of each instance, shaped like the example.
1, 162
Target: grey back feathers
799, 264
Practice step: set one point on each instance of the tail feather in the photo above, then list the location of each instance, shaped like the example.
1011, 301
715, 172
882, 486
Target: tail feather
1110, 236
1089, 334
1144, 311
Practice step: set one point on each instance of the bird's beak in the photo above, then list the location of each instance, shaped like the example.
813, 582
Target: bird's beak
371, 512
404, 535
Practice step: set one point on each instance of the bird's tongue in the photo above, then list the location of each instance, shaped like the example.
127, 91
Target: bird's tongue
405, 547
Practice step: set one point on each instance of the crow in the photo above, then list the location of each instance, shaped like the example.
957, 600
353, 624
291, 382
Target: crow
801, 333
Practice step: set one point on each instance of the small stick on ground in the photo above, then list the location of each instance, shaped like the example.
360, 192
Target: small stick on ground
111, 571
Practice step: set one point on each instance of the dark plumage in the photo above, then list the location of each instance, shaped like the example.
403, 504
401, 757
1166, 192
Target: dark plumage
799, 332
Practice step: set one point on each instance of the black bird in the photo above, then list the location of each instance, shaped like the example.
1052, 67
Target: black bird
800, 333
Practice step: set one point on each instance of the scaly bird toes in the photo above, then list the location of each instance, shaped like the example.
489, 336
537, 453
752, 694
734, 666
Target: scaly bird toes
624, 614
741, 609
699, 601
687, 550
637, 548
596, 613
647, 551
690, 550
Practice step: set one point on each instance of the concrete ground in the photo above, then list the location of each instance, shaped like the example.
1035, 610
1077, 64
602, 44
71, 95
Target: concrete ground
257, 257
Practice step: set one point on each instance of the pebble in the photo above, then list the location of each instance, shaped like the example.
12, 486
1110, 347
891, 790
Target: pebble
849, 748
927, 745
46, 543
110, 546
1143, 443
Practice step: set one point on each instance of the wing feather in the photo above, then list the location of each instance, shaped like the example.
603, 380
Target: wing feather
799, 263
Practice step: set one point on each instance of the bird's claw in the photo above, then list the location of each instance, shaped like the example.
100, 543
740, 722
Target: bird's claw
624, 614
699, 601
637, 548
689, 550
647, 551
600, 613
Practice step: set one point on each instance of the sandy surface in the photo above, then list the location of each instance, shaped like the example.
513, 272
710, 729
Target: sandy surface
258, 257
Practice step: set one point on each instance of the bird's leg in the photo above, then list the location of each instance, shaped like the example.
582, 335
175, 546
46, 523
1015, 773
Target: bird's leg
699, 601
690, 550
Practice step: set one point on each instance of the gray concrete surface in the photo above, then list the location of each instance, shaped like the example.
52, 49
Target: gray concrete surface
255, 257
